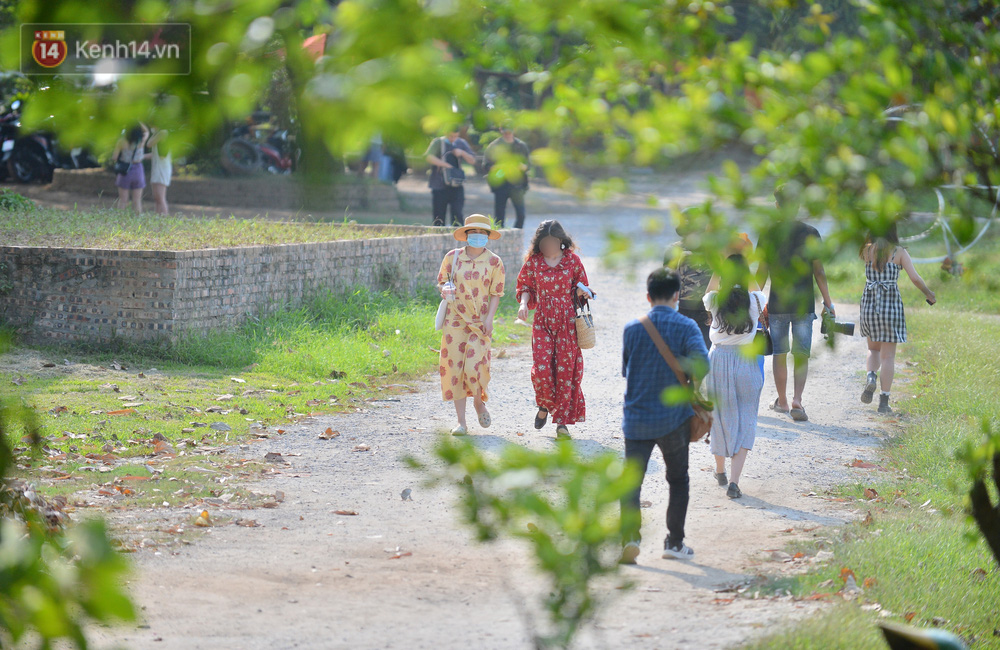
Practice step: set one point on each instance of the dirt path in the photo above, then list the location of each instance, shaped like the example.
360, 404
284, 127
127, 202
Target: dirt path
309, 578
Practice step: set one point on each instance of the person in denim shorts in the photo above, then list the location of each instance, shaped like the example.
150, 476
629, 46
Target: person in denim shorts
790, 257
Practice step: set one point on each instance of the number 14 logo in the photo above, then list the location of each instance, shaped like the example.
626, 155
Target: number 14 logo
49, 48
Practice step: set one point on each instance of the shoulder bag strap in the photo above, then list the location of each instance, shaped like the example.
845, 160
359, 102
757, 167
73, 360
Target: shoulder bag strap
454, 265
665, 352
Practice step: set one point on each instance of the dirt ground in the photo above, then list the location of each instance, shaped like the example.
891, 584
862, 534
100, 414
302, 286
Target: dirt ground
310, 578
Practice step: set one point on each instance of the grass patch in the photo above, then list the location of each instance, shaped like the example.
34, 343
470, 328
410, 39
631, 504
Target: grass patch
163, 406
123, 229
923, 559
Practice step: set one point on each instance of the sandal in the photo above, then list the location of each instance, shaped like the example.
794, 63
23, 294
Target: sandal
776, 408
459, 431
799, 414
484, 418
540, 421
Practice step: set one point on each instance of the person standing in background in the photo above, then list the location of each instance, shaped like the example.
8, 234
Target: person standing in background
514, 155
129, 148
447, 152
161, 169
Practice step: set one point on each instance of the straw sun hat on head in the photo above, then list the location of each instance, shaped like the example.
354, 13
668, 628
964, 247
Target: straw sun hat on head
476, 222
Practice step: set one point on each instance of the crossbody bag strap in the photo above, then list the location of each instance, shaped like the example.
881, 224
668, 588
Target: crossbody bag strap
131, 161
665, 352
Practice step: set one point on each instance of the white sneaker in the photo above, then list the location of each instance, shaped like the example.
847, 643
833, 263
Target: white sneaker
684, 552
629, 553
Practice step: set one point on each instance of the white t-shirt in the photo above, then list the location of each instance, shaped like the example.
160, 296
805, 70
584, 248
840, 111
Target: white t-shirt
757, 302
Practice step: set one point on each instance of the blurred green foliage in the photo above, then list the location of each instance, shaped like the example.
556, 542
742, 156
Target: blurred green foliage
565, 506
53, 578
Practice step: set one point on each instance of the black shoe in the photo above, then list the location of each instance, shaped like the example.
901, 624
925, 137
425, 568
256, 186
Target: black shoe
721, 478
869, 391
734, 491
883, 405
540, 422
562, 432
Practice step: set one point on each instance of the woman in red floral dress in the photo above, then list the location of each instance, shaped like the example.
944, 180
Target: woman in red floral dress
547, 283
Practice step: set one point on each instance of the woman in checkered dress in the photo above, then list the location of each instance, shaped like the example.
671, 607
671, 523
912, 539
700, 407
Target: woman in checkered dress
883, 321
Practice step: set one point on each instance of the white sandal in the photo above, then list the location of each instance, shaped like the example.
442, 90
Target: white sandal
459, 431
484, 419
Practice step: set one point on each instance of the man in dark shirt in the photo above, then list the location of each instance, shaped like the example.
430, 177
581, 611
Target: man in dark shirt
648, 421
504, 184
790, 251
447, 152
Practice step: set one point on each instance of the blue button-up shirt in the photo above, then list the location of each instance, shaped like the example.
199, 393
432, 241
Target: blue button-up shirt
647, 374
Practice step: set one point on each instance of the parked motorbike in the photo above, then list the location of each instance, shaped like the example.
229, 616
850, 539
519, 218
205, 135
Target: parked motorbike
244, 153
34, 156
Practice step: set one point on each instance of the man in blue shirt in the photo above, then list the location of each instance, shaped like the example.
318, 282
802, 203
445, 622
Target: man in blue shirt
650, 421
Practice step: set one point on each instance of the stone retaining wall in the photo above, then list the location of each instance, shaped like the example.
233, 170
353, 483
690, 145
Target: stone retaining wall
98, 296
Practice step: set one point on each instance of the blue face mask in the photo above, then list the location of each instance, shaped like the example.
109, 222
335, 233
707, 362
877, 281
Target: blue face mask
478, 240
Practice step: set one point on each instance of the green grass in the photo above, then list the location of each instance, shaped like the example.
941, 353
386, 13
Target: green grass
122, 229
330, 355
923, 563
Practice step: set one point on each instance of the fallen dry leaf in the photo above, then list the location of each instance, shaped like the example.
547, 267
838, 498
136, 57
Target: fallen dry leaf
329, 434
870, 493
400, 555
203, 520
868, 583
860, 464
247, 523
362, 448
345, 512
129, 411
909, 616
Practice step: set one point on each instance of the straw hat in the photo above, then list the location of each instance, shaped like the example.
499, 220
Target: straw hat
476, 222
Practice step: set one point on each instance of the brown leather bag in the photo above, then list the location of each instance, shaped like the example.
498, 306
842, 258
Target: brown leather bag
701, 423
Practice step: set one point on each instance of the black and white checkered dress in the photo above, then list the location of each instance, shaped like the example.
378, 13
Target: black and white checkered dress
882, 317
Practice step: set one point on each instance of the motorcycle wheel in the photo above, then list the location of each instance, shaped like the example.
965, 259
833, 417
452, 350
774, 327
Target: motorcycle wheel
240, 157
28, 164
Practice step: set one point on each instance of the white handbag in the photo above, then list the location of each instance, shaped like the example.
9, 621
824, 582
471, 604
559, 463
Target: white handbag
442, 311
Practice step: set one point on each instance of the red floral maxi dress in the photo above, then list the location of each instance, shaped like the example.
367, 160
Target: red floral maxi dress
465, 348
557, 368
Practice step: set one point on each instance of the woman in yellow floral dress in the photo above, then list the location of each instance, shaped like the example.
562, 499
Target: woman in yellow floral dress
468, 327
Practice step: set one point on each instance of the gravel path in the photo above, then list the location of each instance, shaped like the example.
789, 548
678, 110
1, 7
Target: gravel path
309, 578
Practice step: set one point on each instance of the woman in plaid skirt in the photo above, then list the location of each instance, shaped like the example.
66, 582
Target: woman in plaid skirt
883, 321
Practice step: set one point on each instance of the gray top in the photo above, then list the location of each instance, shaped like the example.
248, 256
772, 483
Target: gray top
440, 147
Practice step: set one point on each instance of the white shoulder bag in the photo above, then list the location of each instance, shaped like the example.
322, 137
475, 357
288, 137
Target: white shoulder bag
442, 311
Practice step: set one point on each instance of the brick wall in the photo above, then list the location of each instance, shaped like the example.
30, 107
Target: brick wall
264, 191
75, 295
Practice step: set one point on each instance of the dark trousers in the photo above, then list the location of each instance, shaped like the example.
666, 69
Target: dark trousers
516, 196
442, 199
702, 317
674, 447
